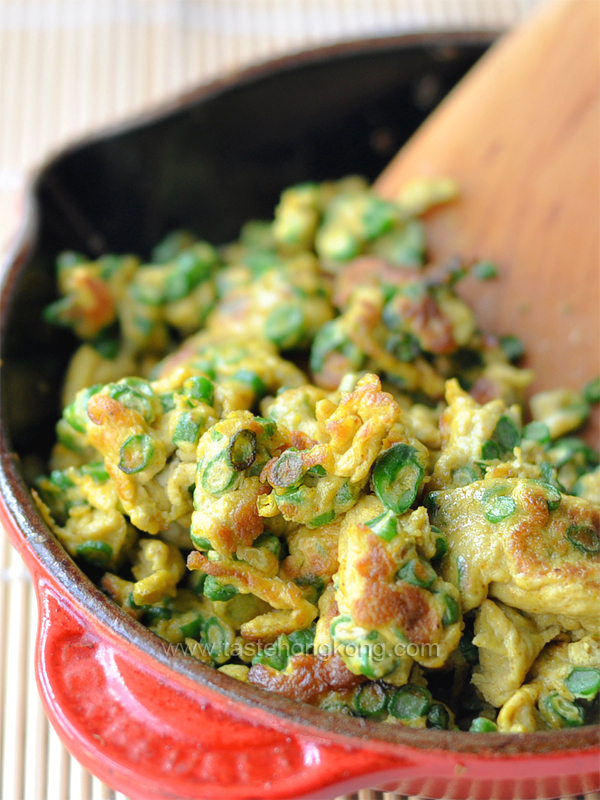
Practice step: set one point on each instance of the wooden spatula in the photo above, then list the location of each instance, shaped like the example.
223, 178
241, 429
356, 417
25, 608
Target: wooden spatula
521, 135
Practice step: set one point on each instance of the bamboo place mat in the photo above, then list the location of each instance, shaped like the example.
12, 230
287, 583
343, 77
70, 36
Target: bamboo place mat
68, 67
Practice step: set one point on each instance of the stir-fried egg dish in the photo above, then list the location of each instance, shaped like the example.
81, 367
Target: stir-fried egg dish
298, 459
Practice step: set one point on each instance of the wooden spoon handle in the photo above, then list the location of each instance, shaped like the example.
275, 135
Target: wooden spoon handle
521, 135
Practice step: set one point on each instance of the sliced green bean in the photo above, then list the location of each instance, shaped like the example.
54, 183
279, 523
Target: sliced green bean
506, 434
385, 525
585, 539
134, 400
551, 494
242, 450
75, 414
215, 590
171, 246
313, 587
97, 553
192, 629
217, 476
200, 388
451, 610
269, 542
187, 429
196, 578
537, 431
500, 509
438, 717
135, 454
402, 247
332, 338
417, 572
468, 650
322, 519
410, 702
302, 641
560, 712
397, 476
275, 655
287, 470
490, 451
370, 700
465, 475
483, 725
200, 543
583, 682
96, 470
218, 638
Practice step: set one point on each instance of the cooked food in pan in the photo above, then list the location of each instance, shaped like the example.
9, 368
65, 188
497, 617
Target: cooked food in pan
298, 459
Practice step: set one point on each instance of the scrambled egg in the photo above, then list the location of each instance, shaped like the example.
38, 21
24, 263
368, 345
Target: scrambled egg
297, 459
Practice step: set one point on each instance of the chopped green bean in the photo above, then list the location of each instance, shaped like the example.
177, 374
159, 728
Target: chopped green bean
197, 579
242, 450
370, 700
397, 476
537, 432
269, 542
215, 590
417, 572
218, 638
551, 494
192, 629
584, 539
97, 553
385, 525
410, 702
583, 682
438, 717
187, 429
96, 470
200, 388
490, 451
500, 509
200, 543
465, 475
451, 610
559, 712
135, 454
218, 476
287, 470
302, 641
312, 585
506, 434
75, 414
322, 519
483, 725
156, 613
275, 655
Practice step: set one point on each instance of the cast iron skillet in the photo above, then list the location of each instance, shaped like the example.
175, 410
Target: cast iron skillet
208, 162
